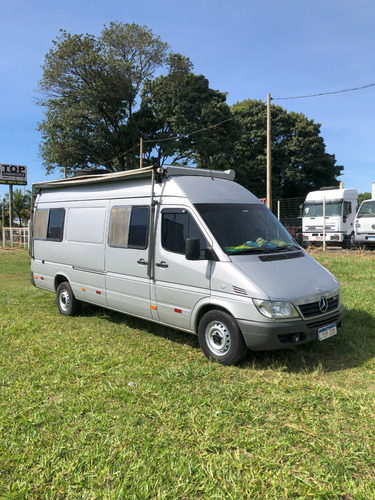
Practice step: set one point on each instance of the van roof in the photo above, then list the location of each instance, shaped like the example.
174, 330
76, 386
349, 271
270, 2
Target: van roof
167, 171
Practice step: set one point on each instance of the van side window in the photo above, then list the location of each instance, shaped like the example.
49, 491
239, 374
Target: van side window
128, 227
138, 230
40, 224
178, 225
49, 224
56, 224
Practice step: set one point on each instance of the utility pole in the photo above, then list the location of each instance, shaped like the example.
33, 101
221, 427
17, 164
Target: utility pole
269, 167
141, 153
10, 205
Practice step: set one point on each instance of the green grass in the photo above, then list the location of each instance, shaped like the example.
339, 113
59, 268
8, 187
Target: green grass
104, 406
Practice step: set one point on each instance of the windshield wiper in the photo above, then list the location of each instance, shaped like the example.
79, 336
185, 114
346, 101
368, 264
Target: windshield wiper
244, 251
285, 248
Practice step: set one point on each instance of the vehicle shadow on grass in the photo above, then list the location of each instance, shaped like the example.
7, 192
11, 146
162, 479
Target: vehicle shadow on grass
353, 345
150, 327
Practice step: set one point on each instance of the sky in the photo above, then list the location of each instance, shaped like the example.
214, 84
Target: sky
246, 48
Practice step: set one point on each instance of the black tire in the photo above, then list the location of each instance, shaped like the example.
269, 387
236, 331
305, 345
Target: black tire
66, 302
220, 338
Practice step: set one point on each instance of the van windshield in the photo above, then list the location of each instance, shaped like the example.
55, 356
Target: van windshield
367, 209
245, 228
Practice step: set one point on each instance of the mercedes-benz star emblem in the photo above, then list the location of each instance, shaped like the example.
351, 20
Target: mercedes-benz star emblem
323, 304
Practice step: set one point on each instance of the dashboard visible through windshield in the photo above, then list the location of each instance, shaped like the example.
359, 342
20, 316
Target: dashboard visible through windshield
246, 228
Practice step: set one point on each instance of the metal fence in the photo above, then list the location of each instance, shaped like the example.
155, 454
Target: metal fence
288, 211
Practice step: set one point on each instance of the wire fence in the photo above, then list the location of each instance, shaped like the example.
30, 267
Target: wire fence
288, 211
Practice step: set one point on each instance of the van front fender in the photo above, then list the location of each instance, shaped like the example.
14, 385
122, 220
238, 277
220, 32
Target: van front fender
238, 307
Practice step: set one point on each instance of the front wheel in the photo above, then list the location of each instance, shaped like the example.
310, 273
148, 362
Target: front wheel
220, 338
66, 302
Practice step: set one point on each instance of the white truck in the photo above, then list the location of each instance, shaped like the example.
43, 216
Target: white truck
329, 214
365, 224
183, 247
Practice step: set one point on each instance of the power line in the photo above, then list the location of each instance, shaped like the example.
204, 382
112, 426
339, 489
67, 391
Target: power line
176, 137
325, 93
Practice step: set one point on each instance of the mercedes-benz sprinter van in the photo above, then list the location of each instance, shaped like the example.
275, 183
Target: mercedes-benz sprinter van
183, 247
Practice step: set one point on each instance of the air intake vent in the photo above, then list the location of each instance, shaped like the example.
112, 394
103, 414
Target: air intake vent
240, 291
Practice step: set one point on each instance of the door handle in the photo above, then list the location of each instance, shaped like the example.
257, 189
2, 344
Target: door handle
142, 262
162, 264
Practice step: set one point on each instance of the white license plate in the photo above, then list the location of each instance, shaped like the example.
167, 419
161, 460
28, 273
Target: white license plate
327, 331
371, 238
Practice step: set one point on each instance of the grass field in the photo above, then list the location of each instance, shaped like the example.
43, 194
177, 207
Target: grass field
104, 406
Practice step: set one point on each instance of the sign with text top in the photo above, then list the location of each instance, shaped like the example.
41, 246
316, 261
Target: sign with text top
13, 174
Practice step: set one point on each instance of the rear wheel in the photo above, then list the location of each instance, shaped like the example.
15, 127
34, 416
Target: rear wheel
220, 338
66, 302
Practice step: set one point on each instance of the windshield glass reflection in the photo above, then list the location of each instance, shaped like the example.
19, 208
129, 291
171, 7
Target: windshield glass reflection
246, 228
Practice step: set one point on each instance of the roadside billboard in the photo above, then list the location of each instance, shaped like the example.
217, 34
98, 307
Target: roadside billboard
13, 174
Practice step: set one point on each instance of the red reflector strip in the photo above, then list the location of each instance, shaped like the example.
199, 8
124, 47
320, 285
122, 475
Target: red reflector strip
179, 311
98, 292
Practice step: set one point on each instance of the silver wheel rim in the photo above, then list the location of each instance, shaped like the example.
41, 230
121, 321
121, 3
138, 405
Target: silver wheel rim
218, 338
64, 300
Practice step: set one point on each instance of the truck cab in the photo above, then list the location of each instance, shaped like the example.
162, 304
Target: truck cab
328, 215
365, 224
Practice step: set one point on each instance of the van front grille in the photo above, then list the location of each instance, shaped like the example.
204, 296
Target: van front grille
312, 309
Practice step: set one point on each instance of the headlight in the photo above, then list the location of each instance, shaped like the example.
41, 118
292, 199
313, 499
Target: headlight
273, 309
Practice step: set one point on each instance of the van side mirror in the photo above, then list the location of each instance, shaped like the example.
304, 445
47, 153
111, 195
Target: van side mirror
192, 249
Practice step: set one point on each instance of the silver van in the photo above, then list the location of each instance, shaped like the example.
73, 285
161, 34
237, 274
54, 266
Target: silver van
183, 247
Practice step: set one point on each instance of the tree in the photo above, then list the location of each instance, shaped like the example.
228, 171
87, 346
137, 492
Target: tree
180, 114
21, 205
300, 162
90, 87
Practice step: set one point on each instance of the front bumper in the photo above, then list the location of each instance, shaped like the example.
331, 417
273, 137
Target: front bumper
279, 335
367, 239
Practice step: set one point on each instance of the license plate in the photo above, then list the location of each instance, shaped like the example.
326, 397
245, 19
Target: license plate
327, 331
371, 238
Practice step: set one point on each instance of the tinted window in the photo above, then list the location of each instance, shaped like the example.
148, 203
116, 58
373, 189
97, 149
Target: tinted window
177, 226
138, 230
55, 224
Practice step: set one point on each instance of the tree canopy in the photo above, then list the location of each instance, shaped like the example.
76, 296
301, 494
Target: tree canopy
103, 94
181, 112
90, 87
299, 160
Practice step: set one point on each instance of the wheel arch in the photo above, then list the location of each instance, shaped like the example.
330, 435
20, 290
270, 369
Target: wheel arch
205, 308
59, 278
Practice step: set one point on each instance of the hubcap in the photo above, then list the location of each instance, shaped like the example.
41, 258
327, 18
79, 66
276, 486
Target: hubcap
64, 300
218, 338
